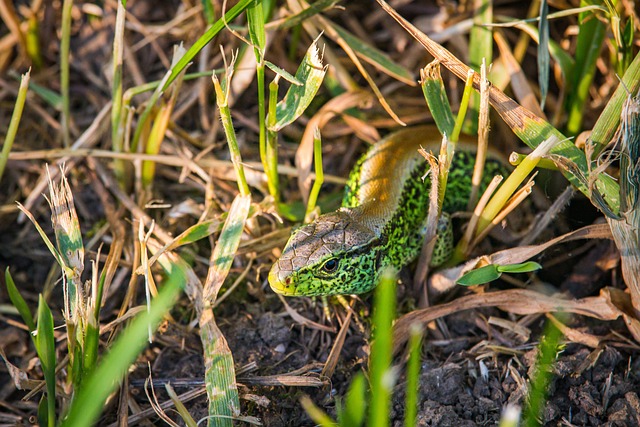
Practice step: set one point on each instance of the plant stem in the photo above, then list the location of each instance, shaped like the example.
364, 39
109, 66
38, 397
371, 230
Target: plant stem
15, 121
64, 70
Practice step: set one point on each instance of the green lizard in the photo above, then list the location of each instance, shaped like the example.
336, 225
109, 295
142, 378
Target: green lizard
382, 220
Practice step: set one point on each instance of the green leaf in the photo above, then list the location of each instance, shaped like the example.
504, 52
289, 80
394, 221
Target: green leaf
90, 399
18, 302
413, 376
293, 211
380, 372
543, 52
255, 20
205, 39
207, 11
313, 9
525, 267
375, 57
480, 275
627, 34
46, 349
283, 73
436, 97
352, 414
311, 73
48, 96
43, 406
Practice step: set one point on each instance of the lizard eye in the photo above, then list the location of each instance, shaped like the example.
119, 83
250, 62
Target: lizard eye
330, 265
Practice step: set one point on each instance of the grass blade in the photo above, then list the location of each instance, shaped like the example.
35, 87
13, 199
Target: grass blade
353, 412
316, 414
547, 352
95, 390
46, 348
222, 98
311, 73
204, 39
608, 121
220, 379
413, 375
480, 48
626, 230
588, 46
375, 57
436, 97
257, 35
382, 376
15, 121
117, 122
64, 70
315, 190
18, 302
543, 53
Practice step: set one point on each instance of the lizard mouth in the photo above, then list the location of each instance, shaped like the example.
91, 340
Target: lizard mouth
280, 283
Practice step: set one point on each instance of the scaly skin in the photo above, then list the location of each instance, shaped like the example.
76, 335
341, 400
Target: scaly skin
382, 220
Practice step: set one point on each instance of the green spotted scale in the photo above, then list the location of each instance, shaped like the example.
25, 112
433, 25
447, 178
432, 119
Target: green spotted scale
382, 221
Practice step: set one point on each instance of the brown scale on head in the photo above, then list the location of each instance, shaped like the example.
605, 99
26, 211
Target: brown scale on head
315, 249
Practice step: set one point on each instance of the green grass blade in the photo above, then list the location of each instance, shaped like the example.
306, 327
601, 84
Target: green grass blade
46, 349
255, 23
271, 154
316, 414
227, 245
480, 47
32, 41
206, 38
222, 96
64, 70
314, 8
543, 53
207, 11
382, 377
311, 73
479, 276
588, 46
559, 55
117, 122
436, 97
509, 186
15, 121
18, 302
355, 404
90, 399
315, 190
464, 105
50, 97
257, 35
375, 57
413, 376
547, 351
89, 355
608, 121
220, 379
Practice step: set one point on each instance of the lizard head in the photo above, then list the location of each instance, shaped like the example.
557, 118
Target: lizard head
333, 255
